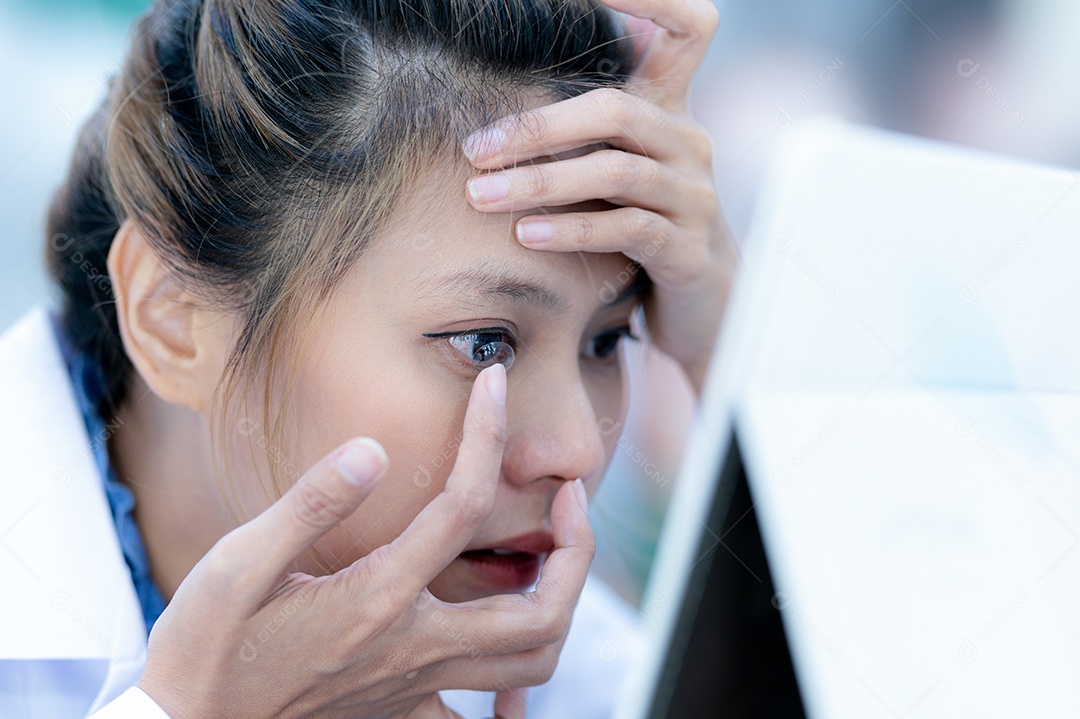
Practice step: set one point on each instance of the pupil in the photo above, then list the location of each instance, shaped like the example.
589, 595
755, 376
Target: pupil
606, 345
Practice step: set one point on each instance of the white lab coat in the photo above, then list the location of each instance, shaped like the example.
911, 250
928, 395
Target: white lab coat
72, 636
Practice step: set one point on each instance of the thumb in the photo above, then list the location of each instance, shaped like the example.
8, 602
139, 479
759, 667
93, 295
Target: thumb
327, 493
510, 704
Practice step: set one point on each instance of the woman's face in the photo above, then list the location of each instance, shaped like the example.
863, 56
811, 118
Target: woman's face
394, 355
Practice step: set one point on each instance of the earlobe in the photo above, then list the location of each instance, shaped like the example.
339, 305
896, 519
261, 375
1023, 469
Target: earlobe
157, 320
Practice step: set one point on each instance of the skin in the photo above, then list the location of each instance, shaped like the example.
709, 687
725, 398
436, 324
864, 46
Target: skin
558, 390
658, 174
649, 198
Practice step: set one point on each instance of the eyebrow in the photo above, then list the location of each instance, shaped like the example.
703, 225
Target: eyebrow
499, 283
503, 283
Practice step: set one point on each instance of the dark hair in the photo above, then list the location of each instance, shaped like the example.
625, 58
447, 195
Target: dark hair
258, 144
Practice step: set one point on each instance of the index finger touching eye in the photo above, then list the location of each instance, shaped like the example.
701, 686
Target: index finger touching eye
675, 51
443, 528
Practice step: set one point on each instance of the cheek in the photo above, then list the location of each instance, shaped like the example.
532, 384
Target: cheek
417, 423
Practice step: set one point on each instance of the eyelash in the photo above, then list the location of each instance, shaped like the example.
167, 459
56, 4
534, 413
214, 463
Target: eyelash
505, 354
615, 335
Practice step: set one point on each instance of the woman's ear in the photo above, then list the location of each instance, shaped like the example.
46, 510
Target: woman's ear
177, 345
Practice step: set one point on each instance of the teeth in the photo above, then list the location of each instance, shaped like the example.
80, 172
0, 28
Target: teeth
503, 552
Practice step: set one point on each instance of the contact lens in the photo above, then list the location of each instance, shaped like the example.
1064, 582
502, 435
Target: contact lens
484, 349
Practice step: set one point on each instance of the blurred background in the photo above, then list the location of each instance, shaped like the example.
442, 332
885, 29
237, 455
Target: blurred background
998, 75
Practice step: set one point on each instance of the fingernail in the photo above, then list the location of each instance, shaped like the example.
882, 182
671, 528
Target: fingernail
534, 232
489, 188
495, 379
484, 143
582, 498
362, 461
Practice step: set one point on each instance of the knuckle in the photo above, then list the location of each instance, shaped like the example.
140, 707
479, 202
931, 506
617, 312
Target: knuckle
698, 249
703, 145
377, 564
384, 597
220, 564
624, 172
538, 667
225, 548
687, 266
472, 506
642, 223
541, 181
588, 545
658, 120
231, 549
701, 196
545, 665
551, 625
314, 507
217, 571
584, 230
613, 104
533, 127
700, 256
709, 200
389, 602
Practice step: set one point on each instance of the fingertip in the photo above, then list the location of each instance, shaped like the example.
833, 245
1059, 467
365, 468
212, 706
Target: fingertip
483, 144
570, 516
511, 703
362, 462
495, 382
534, 232
582, 497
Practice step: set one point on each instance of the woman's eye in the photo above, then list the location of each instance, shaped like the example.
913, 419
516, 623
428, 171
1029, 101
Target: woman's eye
605, 345
484, 349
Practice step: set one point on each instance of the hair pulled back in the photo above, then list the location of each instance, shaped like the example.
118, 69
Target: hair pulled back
259, 144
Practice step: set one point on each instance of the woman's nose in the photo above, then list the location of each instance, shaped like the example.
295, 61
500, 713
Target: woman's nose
552, 433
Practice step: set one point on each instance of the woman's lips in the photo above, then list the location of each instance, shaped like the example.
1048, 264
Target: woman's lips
512, 564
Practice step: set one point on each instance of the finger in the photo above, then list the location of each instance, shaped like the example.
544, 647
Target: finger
432, 708
563, 575
512, 623
676, 51
640, 31
606, 115
446, 525
494, 673
646, 237
329, 492
621, 178
510, 704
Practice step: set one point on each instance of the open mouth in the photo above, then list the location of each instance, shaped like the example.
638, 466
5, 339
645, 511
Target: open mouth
514, 565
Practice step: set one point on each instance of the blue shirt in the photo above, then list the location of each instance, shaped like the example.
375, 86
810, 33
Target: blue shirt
87, 381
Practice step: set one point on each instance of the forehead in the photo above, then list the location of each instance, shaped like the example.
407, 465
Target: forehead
438, 245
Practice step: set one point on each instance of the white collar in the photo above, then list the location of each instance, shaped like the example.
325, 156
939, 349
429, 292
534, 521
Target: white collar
58, 544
